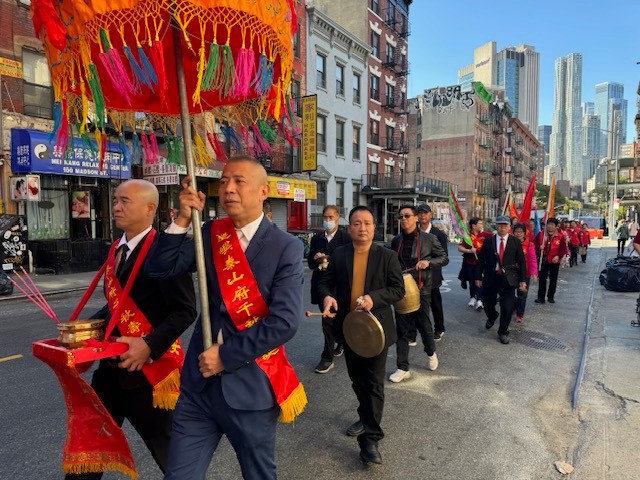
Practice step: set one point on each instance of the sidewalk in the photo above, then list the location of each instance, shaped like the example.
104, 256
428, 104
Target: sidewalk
53, 284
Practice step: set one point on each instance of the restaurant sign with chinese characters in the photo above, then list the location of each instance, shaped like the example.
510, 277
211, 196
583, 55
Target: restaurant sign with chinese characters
309, 131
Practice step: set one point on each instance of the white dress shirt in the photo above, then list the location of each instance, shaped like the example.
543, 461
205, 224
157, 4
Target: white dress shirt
133, 243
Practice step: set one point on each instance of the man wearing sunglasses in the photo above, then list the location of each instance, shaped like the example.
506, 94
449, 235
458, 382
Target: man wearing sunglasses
419, 253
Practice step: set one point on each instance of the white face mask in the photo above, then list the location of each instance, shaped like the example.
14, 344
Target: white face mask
328, 226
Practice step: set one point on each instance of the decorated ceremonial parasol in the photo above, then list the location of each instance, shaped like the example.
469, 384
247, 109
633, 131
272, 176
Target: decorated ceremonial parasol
193, 71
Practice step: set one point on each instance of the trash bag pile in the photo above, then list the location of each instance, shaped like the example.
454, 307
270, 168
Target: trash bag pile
622, 274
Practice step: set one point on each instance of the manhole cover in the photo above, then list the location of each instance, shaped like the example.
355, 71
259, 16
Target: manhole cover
538, 340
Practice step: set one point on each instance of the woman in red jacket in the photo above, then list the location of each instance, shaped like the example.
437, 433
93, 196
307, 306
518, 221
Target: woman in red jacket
585, 241
529, 250
574, 242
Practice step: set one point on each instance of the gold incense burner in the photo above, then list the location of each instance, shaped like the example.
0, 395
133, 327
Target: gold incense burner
73, 334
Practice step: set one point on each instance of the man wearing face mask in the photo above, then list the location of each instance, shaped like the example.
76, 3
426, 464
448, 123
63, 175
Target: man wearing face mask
322, 245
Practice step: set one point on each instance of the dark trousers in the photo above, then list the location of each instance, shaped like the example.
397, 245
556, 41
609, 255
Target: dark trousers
521, 299
573, 259
330, 339
436, 310
621, 244
367, 381
584, 255
200, 421
136, 405
490, 291
474, 291
548, 270
419, 320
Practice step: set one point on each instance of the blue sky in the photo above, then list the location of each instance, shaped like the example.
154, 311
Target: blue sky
607, 33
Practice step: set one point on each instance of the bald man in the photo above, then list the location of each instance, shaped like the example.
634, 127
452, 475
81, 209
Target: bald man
159, 311
236, 388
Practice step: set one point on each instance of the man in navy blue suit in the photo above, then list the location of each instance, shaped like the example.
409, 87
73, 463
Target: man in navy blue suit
225, 390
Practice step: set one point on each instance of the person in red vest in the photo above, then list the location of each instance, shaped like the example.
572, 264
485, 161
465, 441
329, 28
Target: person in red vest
573, 232
553, 250
529, 251
470, 259
585, 241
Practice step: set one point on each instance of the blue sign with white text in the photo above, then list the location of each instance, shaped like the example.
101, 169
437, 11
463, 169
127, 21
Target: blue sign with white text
32, 152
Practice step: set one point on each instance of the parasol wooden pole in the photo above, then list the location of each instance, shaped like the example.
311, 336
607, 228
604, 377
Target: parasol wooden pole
191, 170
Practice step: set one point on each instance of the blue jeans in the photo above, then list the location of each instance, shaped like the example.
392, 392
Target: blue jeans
521, 299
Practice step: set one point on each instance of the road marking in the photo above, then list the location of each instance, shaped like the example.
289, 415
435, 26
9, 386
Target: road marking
10, 357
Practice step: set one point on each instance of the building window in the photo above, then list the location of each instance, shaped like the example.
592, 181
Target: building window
321, 138
419, 117
390, 131
403, 148
356, 88
375, 6
296, 43
356, 143
418, 164
418, 140
340, 138
403, 101
340, 194
356, 194
321, 71
389, 53
375, 44
295, 96
391, 13
389, 93
321, 194
375, 88
374, 131
38, 94
340, 80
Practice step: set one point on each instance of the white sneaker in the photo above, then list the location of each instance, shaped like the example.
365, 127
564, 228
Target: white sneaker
432, 362
479, 305
399, 375
472, 302
413, 344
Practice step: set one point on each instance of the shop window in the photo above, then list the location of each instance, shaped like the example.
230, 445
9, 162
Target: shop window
38, 94
49, 218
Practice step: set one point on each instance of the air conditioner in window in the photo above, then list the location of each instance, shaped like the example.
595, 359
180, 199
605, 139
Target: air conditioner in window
87, 182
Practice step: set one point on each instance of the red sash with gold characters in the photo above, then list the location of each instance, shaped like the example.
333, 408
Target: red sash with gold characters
246, 308
164, 373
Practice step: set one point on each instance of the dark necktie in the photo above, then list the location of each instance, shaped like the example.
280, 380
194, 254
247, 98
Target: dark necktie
122, 251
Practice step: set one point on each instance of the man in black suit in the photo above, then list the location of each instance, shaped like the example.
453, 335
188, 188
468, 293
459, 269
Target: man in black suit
424, 218
323, 244
363, 275
168, 305
500, 270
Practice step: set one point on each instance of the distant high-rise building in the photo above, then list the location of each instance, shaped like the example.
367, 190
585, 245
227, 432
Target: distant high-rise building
588, 108
544, 135
609, 95
566, 137
516, 70
591, 138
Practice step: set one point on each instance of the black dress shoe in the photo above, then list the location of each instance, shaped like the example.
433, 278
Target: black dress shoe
370, 454
537, 300
489, 323
504, 339
355, 429
551, 300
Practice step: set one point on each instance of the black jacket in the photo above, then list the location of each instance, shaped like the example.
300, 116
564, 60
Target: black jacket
169, 305
436, 276
319, 244
514, 263
383, 283
430, 249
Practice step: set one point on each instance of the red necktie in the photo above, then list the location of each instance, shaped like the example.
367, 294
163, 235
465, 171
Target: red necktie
501, 249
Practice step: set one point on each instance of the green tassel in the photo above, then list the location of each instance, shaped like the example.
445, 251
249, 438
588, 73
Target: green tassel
105, 40
177, 151
212, 67
267, 132
87, 144
228, 70
96, 92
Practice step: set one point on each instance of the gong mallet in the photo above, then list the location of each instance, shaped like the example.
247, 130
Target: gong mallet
309, 313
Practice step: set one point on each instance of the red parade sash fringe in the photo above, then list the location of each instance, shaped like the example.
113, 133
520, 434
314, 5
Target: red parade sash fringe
246, 308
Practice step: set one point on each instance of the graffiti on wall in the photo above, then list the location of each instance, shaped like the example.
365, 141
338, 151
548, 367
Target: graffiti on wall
445, 100
13, 241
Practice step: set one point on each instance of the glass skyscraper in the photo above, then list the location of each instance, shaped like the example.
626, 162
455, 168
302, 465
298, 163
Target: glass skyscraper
609, 96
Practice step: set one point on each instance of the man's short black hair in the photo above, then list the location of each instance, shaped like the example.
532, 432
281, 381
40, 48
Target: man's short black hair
473, 221
410, 207
552, 220
361, 208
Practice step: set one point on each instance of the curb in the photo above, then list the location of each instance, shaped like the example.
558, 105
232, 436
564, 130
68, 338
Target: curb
20, 296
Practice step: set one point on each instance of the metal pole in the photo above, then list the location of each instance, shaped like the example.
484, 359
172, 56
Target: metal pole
191, 171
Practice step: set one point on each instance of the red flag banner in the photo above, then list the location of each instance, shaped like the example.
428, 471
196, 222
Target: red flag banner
525, 214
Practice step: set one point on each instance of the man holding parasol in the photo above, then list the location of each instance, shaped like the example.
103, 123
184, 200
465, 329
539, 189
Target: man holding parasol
240, 385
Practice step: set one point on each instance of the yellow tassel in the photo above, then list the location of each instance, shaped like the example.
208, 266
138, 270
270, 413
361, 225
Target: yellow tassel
294, 405
202, 155
202, 63
166, 392
98, 467
85, 107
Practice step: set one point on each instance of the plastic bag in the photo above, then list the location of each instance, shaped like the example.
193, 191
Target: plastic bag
6, 287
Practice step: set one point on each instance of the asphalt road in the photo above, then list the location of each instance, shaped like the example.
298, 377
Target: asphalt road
490, 411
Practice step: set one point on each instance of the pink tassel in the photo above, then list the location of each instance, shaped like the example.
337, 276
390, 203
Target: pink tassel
146, 148
157, 58
248, 141
115, 81
218, 149
262, 146
245, 67
287, 134
121, 72
154, 147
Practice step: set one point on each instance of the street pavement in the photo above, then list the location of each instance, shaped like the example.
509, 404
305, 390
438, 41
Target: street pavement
490, 411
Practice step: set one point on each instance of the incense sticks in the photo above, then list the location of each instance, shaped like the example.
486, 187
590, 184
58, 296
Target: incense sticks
29, 289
